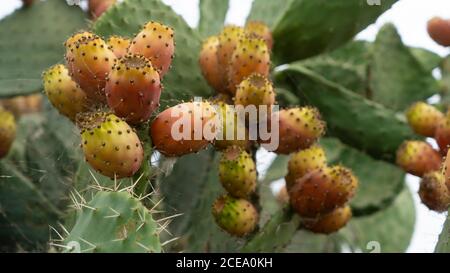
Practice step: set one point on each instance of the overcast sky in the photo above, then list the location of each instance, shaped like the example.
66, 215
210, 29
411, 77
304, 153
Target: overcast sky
409, 16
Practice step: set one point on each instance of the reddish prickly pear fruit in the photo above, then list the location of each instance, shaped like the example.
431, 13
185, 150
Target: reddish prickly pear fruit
442, 134
446, 170
424, 118
322, 190
98, 7
250, 56
184, 128
228, 40
155, 42
439, 30
237, 172
433, 191
63, 92
119, 45
27, 3
255, 90
7, 131
232, 131
331, 222
261, 30
110, 145
299, 128
418, 157
303, 162
236, 216
133, 88
209, 64
89, 61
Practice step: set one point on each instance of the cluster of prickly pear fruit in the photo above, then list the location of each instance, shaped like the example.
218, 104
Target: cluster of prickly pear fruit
439, 30
318, 192
419, 158
109, 87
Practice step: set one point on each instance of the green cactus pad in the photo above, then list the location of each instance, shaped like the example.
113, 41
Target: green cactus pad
309, 32
34, 43
443, 245
348, 115
398, 79
184, 79
114, 222
212, 16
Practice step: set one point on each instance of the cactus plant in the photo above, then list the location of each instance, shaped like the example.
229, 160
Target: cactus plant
115, 176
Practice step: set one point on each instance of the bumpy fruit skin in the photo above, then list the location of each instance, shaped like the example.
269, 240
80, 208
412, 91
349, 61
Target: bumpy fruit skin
228, 40
261, 30
331, 222
209, 64
119, 45
63, 92
89, 61
439, 30
255, 90
110, 145
133, 88
250, 56
299, 128
433, 191
232, 126
322, 190
442, 135
236, 216
189, 114
7, 131
303, 162
98, 7
73, 40
237, 172
424, 118
418, 157
155, 42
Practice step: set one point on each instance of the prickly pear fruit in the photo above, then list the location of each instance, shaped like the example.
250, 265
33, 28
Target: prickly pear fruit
110, 145
7, 131
255, 90
184, 128
442, 135
261, 30
22, 104
155, 42
63, 92
119, 45
236, 216
439, 30
114, 222
303, 162
98, 7
331, 222
209, 64
27, 3
250, 56
237, 172
424, 118
71, 42
433, 191
228, 40
299, 128
89, 60
133, 88
322, 190
418, 157
232, 131
446, 170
